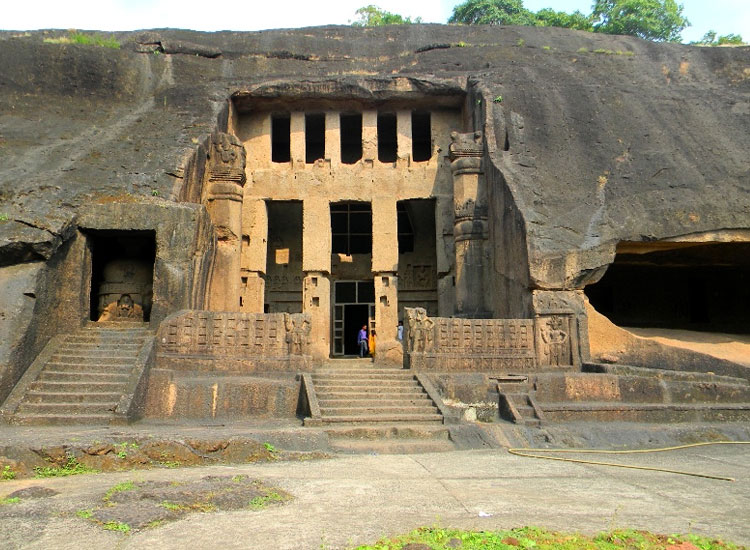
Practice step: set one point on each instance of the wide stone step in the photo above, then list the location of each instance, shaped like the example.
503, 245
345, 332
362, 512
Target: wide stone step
383, 418
37, 396
90, 376
66, 408
339, 378
30, 419
369, 393
360, 386
406, 402
376, 410
83, 359
59, 366
57, 386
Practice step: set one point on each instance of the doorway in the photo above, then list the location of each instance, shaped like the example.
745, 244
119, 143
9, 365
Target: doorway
353, 308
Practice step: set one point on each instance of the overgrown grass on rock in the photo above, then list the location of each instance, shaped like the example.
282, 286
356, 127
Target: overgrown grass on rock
75, 37
540, 539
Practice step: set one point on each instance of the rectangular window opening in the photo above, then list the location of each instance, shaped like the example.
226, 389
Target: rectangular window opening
280, 138
387, 140
421, 137
315, 137
351, 138
351, 228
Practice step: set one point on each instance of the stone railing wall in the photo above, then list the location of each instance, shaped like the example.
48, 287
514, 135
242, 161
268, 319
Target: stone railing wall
484, 345
259, 341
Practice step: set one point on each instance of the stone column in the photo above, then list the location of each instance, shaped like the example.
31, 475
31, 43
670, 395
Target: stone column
333, 138
470, 224
403, 136
225, 177
297, 139
254, 251
385, 274
369, 136
316, 266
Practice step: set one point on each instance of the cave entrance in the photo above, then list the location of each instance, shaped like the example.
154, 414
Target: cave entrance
122, 275
692, 286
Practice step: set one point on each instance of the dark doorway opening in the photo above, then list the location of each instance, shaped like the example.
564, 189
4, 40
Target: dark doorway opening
351, 138
387, 139
421, 137
281, 140
688, 286
122, 275
283, 288
355, 317
315, 137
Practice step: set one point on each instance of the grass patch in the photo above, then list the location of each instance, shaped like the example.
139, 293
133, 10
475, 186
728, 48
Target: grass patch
261, 502
170, 463
9, 500
75, 37
121, 449
85, 514
116, 526
7, 474
172, 506
542, 539
71, 468
270, 448
119, 488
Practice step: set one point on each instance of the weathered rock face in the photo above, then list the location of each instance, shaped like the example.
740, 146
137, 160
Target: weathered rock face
589, 140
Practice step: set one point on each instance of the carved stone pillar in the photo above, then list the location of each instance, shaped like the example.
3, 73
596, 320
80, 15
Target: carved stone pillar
470, 224
225, 178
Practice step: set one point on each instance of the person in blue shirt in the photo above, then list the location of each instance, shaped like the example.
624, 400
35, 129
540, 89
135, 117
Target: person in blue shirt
362, 341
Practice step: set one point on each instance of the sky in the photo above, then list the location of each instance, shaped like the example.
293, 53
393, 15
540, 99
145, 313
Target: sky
722, 16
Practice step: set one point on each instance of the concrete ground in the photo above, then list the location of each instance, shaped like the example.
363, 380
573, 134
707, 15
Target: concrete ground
350, 500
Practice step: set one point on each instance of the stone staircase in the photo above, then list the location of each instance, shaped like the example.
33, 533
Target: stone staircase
516, 403
354, 391
87, 377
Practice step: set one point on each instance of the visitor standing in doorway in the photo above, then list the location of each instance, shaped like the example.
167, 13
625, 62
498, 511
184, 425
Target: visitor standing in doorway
400, 331
362, 341
371, 343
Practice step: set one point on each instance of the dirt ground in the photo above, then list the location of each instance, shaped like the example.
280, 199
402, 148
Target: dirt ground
349, 500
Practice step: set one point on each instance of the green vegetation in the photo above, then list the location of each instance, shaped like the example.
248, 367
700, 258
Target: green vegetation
116, 526
7, 474
71, 468
75, 37
172, 506
260, 502
270, 448
373, 16
541, 539
657, 20
170, 463
85, 514
9, 500
3, 217
119, 488
121, 449
710, 39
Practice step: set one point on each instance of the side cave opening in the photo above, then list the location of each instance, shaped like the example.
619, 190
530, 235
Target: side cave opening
281, 140
284, 258
421, 136
351, 137
122, 275
417, 255
315, 137
387, 138
694, 286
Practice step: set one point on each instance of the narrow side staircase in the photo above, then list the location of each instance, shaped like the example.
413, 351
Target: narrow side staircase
356, 392
87, 377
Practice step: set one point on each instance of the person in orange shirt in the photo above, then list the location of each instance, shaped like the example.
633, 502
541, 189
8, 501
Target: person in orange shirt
371, 343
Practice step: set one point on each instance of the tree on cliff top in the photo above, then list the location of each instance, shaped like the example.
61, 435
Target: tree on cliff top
373, 16
658, 20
